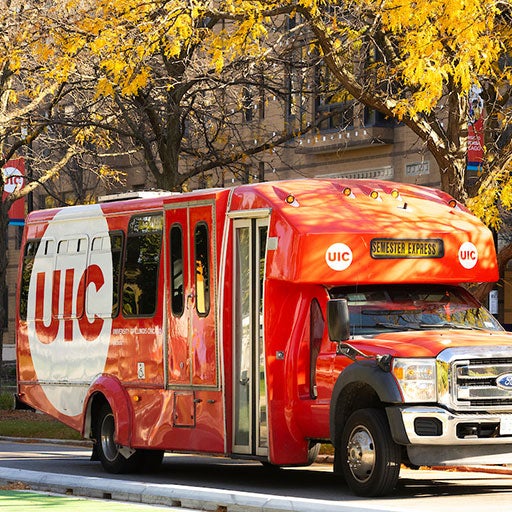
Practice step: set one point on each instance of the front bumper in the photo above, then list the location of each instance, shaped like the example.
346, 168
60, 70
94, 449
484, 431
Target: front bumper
435, 436
427, 425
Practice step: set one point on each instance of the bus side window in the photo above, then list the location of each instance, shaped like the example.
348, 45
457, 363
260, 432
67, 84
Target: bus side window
142, 260
31, 248
202, 269
116, 249
316, 330
176, 240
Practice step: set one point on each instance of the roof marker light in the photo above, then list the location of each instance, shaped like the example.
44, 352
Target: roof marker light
290, 199
347, 192
374, 194
395, 194
452, 203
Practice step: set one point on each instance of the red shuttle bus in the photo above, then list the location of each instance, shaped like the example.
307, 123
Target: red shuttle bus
261, 321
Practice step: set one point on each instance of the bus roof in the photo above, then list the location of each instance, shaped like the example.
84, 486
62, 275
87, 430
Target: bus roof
389, 231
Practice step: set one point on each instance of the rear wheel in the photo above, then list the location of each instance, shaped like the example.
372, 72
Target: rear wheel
151, 460
369, 458
114, 458
314, 450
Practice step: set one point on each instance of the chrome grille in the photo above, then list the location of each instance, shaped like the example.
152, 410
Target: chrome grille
475, 383
467, 378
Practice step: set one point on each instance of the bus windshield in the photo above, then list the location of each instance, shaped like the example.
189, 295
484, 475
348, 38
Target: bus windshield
375, 309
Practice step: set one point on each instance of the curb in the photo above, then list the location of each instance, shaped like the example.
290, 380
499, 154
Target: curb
171, 495
493, 470
35, 440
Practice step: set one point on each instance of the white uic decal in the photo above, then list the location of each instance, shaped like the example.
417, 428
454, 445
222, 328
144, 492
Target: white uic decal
468, 255
69, 307
338, 256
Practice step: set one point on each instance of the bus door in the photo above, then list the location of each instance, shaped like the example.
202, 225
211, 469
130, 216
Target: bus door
190, 271
250, 425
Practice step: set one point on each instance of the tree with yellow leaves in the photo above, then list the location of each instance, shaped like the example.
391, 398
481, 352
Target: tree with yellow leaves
38, 83
417, 62
176, 81
414, 61
426, 63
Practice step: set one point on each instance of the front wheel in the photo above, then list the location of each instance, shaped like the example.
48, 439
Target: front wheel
369, 458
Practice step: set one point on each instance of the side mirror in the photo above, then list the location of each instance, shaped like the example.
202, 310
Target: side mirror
338, 320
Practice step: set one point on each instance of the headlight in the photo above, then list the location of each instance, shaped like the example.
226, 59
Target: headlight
416, 378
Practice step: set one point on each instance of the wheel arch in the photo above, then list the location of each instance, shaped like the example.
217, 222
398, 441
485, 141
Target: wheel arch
108, 389
361, 385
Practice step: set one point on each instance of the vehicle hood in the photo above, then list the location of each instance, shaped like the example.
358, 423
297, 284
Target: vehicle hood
429, 343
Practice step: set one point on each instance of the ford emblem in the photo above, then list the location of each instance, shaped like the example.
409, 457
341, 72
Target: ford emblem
504, 381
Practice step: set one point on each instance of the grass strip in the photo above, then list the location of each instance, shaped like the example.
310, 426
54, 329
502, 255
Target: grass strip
30, 501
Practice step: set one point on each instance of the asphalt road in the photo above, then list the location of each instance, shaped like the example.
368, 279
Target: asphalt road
196, 482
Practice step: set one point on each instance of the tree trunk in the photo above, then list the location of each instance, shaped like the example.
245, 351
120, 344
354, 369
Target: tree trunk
504, 256
4, 226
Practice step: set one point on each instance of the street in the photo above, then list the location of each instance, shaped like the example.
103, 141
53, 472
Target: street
209, 482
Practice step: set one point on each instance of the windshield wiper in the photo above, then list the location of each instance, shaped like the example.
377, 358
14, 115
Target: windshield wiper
449, 325
398, 327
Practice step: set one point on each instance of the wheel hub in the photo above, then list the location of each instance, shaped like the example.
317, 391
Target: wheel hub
361, 454
109, 446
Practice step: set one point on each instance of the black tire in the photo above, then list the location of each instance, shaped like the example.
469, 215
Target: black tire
107, 450
314, 450
369, 458
151, 460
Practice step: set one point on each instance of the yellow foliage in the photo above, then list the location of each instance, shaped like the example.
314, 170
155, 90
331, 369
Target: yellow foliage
494, 194
440, 40
435, 40
105, 87
136, 81
111, 175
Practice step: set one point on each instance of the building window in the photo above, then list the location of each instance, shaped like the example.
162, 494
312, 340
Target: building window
18, 233
373, 117
334, 107
248, 105
6, 308
295, 100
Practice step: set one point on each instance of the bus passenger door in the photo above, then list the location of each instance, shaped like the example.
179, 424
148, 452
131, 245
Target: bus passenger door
249, 383
191, 338
178, 345
201, 296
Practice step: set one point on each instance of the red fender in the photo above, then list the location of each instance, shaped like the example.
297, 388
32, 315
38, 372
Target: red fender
112, 389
